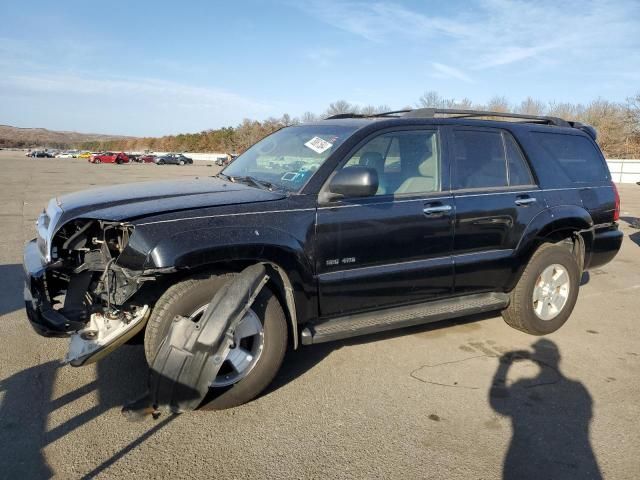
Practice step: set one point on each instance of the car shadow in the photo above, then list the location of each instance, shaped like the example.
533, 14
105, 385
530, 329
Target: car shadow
11, 297
633, 222
550, 417
27, 404
635, 238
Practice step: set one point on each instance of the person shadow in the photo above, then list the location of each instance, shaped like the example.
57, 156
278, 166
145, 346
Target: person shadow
550, 417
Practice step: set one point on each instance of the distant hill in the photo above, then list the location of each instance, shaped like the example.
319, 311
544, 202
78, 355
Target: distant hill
16, 137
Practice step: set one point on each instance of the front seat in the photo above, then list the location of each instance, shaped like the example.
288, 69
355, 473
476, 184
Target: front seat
376, 161
426, 181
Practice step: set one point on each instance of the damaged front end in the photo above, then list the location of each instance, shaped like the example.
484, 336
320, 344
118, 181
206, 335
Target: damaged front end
75, 287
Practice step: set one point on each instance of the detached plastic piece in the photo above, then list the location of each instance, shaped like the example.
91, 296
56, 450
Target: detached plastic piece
190, 356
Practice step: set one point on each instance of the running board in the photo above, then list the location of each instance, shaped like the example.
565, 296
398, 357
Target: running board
406, 316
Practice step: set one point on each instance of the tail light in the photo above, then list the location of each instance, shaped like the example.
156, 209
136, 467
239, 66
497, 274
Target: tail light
616, 212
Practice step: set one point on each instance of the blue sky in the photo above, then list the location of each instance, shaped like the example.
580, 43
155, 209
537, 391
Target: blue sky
154, 68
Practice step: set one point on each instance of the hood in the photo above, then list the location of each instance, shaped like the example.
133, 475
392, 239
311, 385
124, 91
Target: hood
131, 200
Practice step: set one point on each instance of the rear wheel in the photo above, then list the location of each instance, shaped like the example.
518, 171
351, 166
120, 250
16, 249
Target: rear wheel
546, 293
260, 343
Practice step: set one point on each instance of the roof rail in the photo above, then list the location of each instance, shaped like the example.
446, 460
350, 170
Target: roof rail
432, 112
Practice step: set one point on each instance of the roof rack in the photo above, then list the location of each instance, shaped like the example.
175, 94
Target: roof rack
432, 112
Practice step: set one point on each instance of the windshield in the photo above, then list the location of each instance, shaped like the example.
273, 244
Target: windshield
287, 158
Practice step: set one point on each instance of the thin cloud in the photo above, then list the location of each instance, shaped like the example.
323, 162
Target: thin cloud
153, 89
446, 71
494, 33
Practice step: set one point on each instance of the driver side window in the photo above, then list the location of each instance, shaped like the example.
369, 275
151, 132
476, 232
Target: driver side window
407, 162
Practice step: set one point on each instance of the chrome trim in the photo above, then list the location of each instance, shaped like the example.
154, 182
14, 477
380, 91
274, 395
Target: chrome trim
437, 209
229, 215
525, 201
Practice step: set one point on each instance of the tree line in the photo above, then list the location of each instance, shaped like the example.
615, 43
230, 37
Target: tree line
617, 123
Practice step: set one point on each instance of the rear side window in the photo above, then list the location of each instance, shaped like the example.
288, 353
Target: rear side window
576, 156
488, 159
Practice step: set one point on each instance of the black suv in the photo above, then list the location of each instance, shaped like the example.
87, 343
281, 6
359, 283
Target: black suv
362, 224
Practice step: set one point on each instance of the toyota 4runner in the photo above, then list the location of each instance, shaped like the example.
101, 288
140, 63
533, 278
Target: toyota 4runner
362, 224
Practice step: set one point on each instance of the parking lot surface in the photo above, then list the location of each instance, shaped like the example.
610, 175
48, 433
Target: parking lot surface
424, 402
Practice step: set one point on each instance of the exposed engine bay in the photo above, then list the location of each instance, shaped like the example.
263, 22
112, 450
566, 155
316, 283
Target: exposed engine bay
86, 286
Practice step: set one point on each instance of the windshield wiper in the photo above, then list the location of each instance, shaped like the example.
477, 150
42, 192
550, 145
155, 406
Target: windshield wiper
255, 182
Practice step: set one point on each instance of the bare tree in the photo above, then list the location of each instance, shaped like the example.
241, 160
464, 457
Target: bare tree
530, 106
309, 117
498, 104
340, 107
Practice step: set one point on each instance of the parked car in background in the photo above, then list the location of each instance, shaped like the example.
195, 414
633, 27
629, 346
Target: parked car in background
173, 158
109, 157
65, 155
41, 154
84, 155
147, 159
226, 160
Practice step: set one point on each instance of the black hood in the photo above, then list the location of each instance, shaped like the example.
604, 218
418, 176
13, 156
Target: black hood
133, 200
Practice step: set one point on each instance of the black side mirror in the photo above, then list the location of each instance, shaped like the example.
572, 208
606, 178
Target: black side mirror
356, 181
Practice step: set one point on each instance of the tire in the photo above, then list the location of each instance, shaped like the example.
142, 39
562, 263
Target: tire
161, 162
181, 162
185, 298
98, 160
521, 312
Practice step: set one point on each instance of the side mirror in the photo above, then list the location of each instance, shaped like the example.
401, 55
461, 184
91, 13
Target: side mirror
356, 181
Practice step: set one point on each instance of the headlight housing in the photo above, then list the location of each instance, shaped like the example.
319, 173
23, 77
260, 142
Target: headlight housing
46, 227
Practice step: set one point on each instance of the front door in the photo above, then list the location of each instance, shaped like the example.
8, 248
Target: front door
394, 247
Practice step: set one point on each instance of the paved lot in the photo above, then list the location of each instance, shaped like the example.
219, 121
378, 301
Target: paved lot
416, 403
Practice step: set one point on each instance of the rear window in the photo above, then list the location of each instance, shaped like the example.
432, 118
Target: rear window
576, 156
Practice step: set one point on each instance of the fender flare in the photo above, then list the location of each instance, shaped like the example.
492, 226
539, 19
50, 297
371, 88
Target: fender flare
552, 223
278, 250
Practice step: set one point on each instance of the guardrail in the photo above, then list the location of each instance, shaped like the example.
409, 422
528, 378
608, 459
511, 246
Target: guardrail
624, 170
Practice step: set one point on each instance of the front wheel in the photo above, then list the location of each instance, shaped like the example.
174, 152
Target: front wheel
181, 162
546, 293
261, 338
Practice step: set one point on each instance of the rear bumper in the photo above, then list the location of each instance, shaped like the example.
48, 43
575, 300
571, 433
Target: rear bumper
43, 318
606, 244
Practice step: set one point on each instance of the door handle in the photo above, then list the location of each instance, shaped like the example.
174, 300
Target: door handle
523, 202
437, 210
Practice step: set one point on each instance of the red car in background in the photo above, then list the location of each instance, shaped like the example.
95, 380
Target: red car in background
109, 157
147, 159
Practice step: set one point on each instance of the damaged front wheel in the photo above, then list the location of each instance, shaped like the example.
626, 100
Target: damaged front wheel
259, 346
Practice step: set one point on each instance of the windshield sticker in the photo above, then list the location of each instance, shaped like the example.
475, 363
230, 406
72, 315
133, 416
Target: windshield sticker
318, 145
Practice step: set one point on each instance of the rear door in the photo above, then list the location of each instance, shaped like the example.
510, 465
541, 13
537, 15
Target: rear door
393, 247
496, 197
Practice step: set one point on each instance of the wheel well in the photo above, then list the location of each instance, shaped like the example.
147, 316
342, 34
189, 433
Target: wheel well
279, 283
574, 241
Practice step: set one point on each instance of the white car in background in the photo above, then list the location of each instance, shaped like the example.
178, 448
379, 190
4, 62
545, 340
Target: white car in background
65, 155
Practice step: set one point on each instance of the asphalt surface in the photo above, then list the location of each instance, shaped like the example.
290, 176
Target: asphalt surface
415, 403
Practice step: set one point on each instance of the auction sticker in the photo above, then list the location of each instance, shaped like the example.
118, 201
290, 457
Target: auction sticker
318, 145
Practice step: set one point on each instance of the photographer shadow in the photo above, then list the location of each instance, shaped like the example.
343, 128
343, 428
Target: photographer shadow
550, 416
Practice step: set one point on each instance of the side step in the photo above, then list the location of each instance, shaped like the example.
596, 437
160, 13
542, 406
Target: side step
406, 316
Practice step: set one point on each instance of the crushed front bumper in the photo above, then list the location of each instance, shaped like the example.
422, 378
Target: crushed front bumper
43, 318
